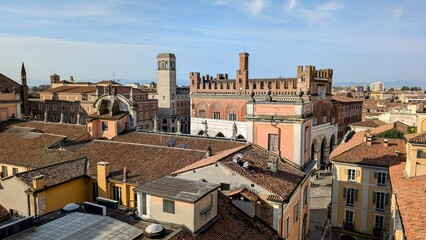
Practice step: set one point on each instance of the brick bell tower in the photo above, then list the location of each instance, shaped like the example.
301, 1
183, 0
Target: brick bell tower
25, 109
242, 74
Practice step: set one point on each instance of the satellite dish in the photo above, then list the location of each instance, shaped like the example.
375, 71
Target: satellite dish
171, 142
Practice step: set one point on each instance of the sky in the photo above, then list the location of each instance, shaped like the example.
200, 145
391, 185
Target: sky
362, 41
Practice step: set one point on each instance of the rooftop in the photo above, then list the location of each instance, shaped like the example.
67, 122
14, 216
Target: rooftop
25, 147
73, 132
369, 123
83, 226
232, 224
410, 196
419, 138
57, 173
346, 99
177, 189
144, 162
179, 141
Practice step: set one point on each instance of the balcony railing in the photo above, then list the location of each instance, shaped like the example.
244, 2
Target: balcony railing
348, 226
377, 231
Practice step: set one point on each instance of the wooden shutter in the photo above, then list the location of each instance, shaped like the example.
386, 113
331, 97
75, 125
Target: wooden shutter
344, 193
374, 197
386, 199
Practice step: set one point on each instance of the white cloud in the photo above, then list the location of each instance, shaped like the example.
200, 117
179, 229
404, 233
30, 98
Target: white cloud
320, 13
252, 7
290, 5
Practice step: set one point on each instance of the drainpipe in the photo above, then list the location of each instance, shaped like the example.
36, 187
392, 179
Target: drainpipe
274, 124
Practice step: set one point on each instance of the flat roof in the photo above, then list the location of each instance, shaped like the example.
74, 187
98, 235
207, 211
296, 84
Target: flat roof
83, 226
177, 189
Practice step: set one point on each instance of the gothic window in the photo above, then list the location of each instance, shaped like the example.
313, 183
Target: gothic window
202, 113
286, 84
232, 116
216, 115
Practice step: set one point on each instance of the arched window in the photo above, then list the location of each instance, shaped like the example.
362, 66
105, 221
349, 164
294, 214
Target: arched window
166, 65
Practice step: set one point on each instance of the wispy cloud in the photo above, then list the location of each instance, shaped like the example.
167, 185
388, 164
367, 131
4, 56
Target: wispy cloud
252, 7
321, 13
290, 5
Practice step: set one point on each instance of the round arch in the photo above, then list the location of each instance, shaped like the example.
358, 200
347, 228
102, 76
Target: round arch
219, 134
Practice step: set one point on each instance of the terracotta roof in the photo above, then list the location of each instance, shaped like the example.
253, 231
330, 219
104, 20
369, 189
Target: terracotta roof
346, 99
410, 197
108, 82
56, 174
282, 183
210, 160
71, 131
419, 138
144, 162
245, 193
358, 139
232, 224
369, 123
8, 83
72, 89
190, 142
23, 147
375, 154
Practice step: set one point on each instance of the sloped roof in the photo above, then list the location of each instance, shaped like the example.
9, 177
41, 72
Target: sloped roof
410, 196
419, 138
346, 99
73, 132
23, 147
369, 123
8, 83
245, 193
143, 162
281, 183
232, 224
190, 142
3, 212
56, 174
177, 188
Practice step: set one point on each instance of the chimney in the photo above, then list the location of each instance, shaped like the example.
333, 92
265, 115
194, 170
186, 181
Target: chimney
38, 182
103, 172
385, 142
124, 174
273, 164
369, 140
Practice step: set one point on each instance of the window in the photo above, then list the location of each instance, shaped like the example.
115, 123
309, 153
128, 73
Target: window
349, 217
351, 175
95, 190
381, 200
381, 178
224, 187
287, 227
168, 206
32, 106
15, 170
146, 107
80, 109
202, 113
305, 196
273, 142
216, 115
55, 118
40, 107
47, 107
232, 117
378, 223
104, 126
4, 171
54, 107
63, 107
72, 108
351, 195
143, 203
306, 138
117, 194
296, 212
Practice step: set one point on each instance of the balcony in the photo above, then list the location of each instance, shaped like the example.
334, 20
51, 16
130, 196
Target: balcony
377, 231
348, 226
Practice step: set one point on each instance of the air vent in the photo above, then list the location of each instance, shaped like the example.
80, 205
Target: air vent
108, 203
94, 208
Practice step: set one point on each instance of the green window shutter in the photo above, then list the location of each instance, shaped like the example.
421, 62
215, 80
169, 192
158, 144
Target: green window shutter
374, 197
344, 193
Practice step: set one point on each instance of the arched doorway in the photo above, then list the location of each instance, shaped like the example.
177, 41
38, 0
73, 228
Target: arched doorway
219, 134
346, 237
321, 156
332, 143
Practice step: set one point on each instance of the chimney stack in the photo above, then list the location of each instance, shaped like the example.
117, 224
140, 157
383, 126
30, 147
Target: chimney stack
103, 172
124, 174
38, 182
385, 142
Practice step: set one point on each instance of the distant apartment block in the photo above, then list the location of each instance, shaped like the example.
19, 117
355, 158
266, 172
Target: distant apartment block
377, 87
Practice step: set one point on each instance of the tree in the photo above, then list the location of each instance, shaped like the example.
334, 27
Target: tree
34, 89
391, 89
416, 89
405, 88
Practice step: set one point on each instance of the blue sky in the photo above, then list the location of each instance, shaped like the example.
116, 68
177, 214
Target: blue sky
361, 40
